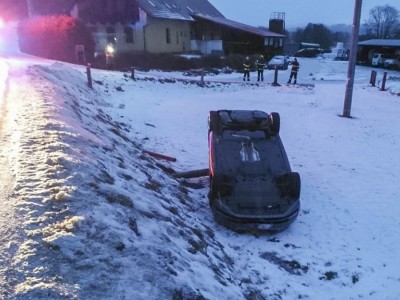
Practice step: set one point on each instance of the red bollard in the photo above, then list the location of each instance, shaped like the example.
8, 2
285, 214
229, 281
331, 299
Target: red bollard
133, 72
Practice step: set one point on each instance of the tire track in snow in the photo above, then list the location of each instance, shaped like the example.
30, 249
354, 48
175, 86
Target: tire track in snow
33, 170
9, 220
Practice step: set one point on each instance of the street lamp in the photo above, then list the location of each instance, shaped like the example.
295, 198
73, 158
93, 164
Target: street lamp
110, 52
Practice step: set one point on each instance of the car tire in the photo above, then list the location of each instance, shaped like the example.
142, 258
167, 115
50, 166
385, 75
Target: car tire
294, 185
214, 191
274, 123
211, 193
214, 122
289, 185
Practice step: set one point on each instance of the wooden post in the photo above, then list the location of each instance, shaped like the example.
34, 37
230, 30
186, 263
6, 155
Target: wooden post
202, 77
192, 174
275, 83
384, 81
159, 155
89, 76
133, 72
348, 98
372, 81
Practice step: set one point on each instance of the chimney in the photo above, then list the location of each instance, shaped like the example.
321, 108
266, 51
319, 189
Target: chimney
277, 22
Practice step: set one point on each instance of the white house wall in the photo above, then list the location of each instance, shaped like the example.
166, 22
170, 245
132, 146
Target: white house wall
155, 36
207, 47
149, 35
120, 44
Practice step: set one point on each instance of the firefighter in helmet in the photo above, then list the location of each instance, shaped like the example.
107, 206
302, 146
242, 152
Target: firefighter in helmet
246, 69
260, 64
294, 71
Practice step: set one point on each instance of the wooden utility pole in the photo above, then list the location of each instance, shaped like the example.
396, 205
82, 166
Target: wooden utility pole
352, 59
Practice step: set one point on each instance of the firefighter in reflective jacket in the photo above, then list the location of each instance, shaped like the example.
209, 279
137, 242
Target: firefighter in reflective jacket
294, 71
246, 69
260, 64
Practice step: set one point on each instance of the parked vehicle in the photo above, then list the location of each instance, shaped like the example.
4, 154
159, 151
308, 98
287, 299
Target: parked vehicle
392, 63
342, 54
279, 62
379, 58
251, 184
309, 52
290, 59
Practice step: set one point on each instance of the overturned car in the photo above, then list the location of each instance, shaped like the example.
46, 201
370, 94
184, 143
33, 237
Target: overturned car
252, 186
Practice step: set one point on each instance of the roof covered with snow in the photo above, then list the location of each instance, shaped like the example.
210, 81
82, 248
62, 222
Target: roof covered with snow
239, 26
380, 42
194, 10
178, 9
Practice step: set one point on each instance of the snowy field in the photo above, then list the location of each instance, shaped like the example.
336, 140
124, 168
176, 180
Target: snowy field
89, 215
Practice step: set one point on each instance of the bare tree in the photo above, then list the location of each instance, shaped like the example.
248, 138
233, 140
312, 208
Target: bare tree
383, 21
314, 33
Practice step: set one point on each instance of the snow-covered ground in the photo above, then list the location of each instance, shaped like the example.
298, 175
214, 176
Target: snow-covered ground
86, 214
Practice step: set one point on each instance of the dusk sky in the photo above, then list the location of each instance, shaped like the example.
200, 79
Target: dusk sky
298, 13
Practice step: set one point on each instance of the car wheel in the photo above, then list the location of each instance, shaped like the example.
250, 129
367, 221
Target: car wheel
214, 187
274, 123
289, 185
214, 122
211, 193
294, 185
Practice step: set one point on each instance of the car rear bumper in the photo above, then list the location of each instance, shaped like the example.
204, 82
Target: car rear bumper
273, 223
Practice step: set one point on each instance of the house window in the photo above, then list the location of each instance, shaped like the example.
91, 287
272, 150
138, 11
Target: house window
111, 38
128, 35
168, 35
177, 38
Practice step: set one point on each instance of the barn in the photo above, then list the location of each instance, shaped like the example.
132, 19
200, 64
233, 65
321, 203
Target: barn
367, 49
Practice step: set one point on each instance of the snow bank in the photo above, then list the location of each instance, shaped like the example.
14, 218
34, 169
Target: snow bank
103, 220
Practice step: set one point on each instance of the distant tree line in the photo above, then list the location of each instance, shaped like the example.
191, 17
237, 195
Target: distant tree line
320, 34
383, 23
